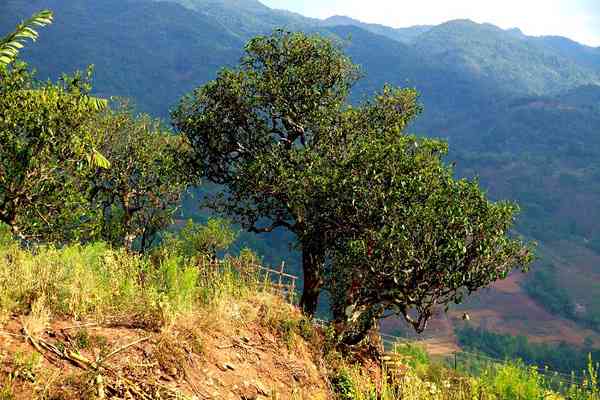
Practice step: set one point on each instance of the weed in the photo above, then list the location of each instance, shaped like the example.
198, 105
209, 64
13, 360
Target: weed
6, 390
99, 341
82, 339
26, 366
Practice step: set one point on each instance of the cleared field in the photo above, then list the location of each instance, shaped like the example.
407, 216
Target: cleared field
502, 308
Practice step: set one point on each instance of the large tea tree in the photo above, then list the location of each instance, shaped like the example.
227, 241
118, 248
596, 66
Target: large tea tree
140, 192
252, 127
45, 144
291, 153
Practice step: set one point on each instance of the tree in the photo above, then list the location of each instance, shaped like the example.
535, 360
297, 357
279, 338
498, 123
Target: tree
426, 240
44, 146
194, 240
13, 42
291, 153
252, 128
139, 194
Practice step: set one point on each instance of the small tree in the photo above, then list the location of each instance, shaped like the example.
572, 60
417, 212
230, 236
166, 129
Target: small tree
139, 194
44, 145
425, 238
200, 240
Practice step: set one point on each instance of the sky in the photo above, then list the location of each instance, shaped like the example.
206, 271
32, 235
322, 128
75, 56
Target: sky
576, 19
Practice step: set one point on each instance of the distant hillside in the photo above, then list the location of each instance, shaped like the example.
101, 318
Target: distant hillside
246, 18
583, 55
151, 52
512, 62
406, 35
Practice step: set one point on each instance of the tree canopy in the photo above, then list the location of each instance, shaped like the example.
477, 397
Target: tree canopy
255, 128
138, 195
424, 239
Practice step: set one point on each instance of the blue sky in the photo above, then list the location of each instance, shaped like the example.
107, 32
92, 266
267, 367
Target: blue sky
576, 19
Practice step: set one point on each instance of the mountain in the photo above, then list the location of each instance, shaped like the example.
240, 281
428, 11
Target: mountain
151, 52
405, 35
521, 113
510, 61
246, 18
583, 55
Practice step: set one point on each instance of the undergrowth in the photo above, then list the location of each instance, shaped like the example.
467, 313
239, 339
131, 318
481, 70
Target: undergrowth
419, 378
96, 282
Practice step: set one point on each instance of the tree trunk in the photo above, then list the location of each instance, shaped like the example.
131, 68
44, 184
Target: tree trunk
313, 260
14, 227
129, 236
353, 333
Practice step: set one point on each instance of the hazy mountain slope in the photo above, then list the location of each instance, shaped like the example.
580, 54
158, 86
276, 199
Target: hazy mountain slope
246, 18
150, 52
584, 55
521, 65
405, 35
447, 94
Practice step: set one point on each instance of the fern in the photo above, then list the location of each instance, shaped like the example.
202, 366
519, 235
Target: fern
11, 44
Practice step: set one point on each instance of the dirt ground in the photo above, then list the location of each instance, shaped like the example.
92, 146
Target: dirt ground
104, 361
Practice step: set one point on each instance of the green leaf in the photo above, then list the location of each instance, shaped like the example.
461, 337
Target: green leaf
10, 44
98, 160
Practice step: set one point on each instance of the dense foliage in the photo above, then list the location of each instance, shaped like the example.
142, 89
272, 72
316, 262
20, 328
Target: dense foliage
44, 145
420, 239
138, 195
255, 130
559, 357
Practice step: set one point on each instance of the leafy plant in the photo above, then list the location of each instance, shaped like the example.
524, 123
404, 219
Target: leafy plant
13, 42
347, 181
44, 149
251, 130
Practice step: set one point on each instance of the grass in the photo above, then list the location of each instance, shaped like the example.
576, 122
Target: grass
99, 283
420, 378
179, 298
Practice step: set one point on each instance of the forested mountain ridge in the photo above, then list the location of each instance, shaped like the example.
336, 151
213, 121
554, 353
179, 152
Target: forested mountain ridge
520, 112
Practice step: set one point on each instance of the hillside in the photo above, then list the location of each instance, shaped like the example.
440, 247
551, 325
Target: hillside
82, 323
509, 61
521, 113
115, 36
405, 35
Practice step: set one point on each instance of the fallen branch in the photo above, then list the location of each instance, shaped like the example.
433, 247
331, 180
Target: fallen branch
133, 387
111, 354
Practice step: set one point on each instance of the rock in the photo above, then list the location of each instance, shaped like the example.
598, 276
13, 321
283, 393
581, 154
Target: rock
248, 391
228, 366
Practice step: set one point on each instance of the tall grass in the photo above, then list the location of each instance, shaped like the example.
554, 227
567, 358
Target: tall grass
97, 282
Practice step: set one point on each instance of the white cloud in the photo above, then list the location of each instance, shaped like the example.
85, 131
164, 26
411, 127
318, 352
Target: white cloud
576, 19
